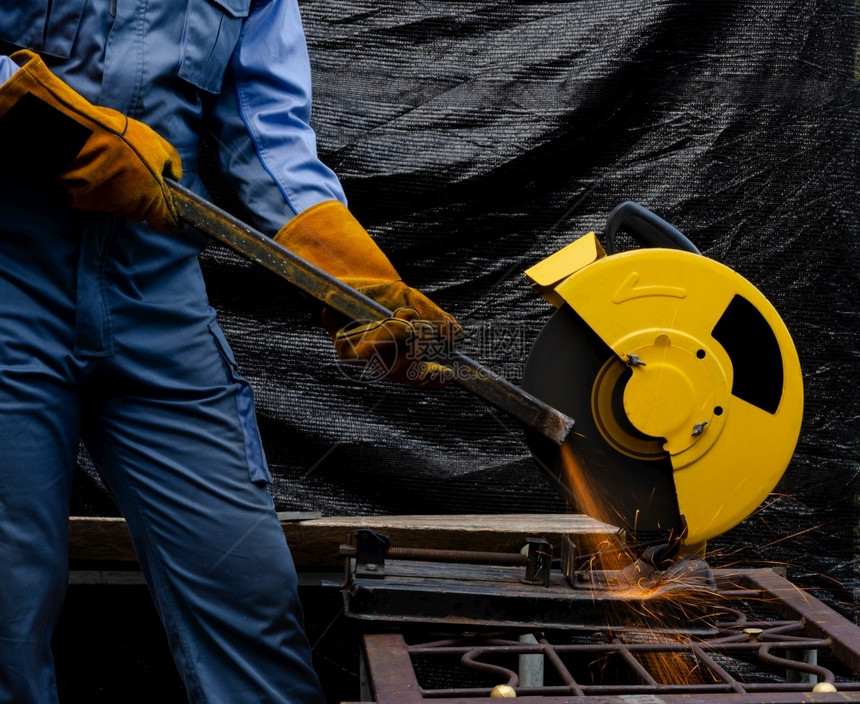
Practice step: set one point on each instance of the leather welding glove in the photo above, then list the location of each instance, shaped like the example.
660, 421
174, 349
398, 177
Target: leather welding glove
328, 236
102, 160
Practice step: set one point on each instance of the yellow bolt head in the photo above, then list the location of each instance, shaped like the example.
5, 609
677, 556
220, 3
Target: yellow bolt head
824, 687
503, 691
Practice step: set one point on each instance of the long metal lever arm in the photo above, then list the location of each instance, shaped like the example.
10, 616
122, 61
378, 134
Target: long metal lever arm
335, 294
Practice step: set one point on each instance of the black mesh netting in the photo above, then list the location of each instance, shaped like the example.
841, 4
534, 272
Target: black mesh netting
475, 138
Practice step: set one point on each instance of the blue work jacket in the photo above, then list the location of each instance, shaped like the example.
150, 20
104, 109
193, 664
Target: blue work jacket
237, 69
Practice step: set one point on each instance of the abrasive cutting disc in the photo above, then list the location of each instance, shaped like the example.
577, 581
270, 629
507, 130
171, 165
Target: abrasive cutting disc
609, 469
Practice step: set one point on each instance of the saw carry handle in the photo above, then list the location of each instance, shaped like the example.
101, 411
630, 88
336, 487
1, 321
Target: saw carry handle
648, 228
335, 294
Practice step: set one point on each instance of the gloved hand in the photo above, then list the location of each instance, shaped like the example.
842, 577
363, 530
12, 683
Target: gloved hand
103, 160
328, 236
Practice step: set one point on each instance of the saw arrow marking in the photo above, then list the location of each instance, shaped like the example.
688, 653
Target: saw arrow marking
630, 290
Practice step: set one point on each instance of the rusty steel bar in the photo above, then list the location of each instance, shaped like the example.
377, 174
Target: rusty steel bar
615, 648
471, 661
475, 557
631, 662
766, 656
561, 670
715, 667
727, 698
727, 691
389, 666
331, 292
819, 620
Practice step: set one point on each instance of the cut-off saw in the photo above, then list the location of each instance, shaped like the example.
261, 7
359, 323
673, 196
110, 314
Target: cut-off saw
664, 396
683, 380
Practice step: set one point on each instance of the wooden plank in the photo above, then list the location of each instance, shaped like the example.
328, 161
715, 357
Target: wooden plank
315, 543
100, 539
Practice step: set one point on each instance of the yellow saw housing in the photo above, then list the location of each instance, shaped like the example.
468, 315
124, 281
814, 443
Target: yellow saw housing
714, 375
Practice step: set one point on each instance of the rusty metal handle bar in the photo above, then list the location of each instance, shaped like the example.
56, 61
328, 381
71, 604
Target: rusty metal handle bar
335, 294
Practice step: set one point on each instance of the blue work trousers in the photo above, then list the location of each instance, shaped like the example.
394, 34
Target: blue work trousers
106, 335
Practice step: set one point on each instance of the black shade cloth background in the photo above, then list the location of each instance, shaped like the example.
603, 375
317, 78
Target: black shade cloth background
474, 139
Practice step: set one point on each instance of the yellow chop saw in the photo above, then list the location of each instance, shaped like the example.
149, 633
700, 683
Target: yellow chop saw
678, 378
683, 380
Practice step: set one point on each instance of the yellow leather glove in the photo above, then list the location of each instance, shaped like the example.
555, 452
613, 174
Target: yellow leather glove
103, 160
328, 236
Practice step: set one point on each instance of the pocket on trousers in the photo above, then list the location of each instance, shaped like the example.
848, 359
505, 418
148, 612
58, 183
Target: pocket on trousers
212, 30
258, 468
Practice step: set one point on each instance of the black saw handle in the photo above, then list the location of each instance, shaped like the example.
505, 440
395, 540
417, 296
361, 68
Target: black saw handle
325, 288
648, 228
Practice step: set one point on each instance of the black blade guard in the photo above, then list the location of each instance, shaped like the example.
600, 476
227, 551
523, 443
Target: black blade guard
606, 468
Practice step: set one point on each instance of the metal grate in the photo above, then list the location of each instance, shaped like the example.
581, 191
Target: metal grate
749, 658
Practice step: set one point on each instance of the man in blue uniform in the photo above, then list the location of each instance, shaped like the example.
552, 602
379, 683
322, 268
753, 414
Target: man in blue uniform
106, 333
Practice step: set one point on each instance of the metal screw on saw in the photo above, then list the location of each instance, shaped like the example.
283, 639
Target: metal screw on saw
699, 428
634, 361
